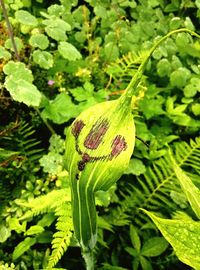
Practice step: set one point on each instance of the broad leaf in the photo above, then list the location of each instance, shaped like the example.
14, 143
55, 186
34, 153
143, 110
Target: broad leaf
61, 109
56, 28
135, 167
191, 191
154, 247
23, 91
39, 40
35, 229
43, 59
23, 247
19, 44
4, 233
4, 54
184, 236
68, 51
18, 71
24, 17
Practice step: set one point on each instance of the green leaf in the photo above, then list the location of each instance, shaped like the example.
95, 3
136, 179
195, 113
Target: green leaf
135, 167
44, 237
184, 236
39, 40
179, 77
151, 107
56, 10
24, 17
35, 229
111, 51
18, 70
15, 225
68, 51
154, 246
163, 68
52, 163
57, 144
175, 23
61, 109
23, 91
22, 247
4, 54
135, 239
191, 191
6, 154
133, 252
19, 44
4, 233
83, 93
43, 59
47, 220
146, 265
196, 109
56, 28
192, 88
111, 267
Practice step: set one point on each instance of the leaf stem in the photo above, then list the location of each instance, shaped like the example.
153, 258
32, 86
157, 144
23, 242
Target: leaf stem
10, 31
89, 259
127, 96
45, 122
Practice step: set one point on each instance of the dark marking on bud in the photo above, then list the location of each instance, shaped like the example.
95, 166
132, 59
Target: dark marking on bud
77, 127
85, 159
96, 134
81, 165
118, 145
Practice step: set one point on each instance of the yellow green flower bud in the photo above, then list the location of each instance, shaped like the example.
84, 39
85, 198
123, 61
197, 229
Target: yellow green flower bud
99, 144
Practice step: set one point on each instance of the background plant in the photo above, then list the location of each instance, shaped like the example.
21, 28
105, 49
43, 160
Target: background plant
73, 55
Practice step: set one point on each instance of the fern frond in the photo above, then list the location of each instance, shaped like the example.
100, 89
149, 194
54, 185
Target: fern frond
124, 68
23, 141
61, 239
45, 203
152, 190
27, 143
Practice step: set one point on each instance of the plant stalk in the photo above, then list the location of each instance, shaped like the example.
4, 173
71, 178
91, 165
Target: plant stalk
10, 31
45, 122
127, 96
89, 259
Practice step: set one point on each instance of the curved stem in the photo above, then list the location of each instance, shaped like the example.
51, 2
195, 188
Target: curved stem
45, 121
10, 31
126, 97
89, 259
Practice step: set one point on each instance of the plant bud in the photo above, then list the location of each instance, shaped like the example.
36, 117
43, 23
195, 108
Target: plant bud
99, 145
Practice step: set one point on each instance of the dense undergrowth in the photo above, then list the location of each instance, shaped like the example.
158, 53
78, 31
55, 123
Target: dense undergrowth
70, 55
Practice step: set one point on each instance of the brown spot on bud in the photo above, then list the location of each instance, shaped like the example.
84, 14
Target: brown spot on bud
85, 159
96, 134
118, 145
77, 127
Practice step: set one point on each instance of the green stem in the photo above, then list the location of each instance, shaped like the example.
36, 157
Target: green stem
89, 259
10, 31
45, 122
127, 96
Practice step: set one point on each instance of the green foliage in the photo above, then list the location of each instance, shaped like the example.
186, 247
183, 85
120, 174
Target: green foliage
19, 84
68, 51
153, 247
61, 239
58, 202
154, 189
191, 191
183, 236
72, 56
